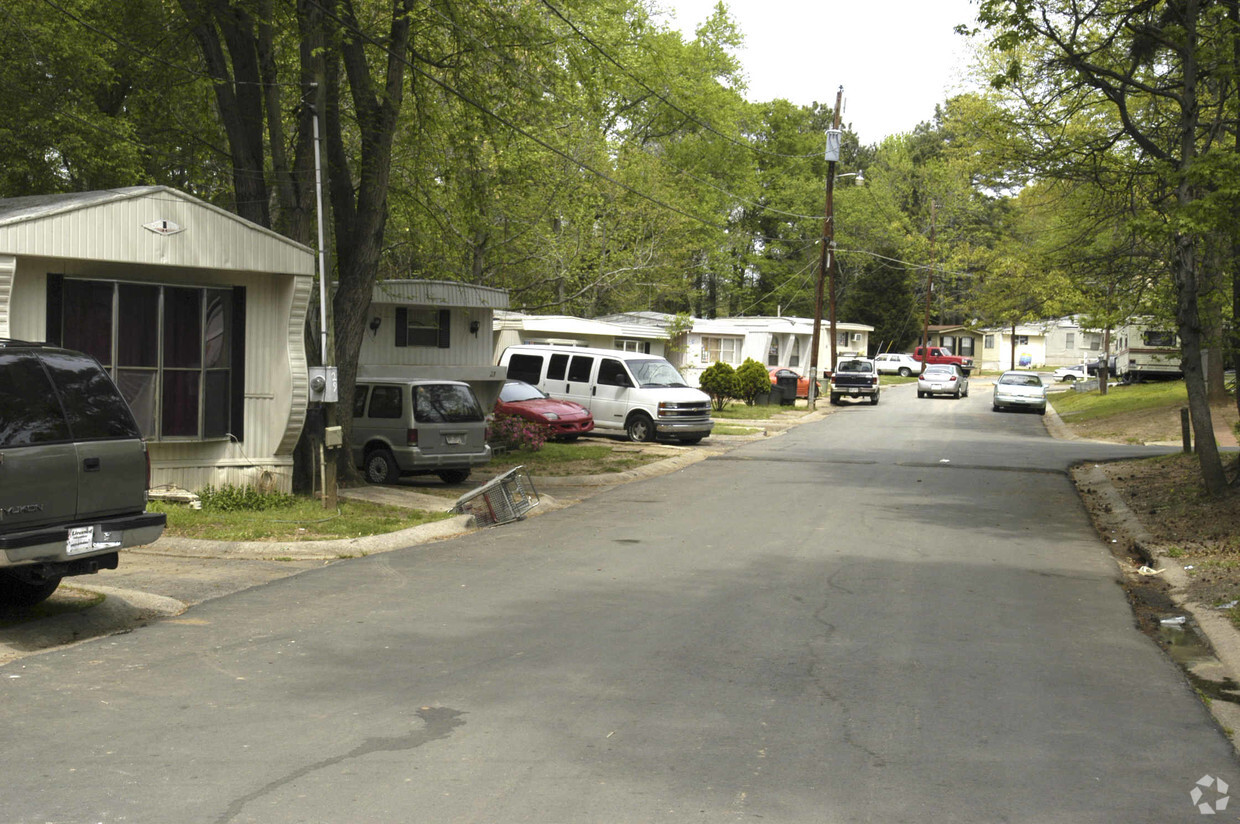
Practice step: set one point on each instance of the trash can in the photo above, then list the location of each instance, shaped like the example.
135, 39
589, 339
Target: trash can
775, 397
787, 385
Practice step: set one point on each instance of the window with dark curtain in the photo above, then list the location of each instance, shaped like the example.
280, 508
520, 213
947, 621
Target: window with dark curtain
88, 318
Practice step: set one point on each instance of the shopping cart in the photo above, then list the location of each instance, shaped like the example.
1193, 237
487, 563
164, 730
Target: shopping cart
500, 500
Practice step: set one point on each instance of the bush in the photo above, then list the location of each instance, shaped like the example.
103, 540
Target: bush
515, 432
752, 380
718, 381
229, 498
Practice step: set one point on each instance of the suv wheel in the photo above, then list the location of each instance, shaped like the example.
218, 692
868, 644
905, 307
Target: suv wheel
18, 592
381, 467
453, 476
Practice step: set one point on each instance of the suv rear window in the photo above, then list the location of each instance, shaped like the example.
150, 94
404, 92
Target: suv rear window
93, 407
29, 413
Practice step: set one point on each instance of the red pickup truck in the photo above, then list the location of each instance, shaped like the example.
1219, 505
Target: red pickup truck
939, 354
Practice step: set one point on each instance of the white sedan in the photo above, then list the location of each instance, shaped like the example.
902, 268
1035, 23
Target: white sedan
895, 363
1020, 390
1070, 373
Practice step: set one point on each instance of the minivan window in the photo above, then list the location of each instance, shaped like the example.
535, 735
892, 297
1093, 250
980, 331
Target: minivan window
655, 372
29, 413
526, 368
93, 407
557, 368
385, 402
359, 401
611, 373
579, 369
444, 403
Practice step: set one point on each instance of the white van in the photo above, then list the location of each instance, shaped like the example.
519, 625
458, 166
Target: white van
639, 396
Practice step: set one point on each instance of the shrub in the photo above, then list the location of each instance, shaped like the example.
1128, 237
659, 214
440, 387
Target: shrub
515, 432
229, 498
718, 381
752, 380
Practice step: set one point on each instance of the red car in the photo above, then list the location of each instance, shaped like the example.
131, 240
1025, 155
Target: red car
784, 372
565, 419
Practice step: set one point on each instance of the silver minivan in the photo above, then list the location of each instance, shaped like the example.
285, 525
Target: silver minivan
404, 426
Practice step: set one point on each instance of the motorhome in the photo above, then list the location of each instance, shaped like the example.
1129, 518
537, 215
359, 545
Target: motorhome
1147, 351
639, 396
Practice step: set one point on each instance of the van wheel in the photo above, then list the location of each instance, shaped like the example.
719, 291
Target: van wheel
18, 592
640, 428
453, 476
381, 467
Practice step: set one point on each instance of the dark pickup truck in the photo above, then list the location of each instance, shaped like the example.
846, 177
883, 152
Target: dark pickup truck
74, 471
855, 378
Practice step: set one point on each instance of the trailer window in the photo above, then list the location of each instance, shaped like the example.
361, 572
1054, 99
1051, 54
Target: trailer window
1157, 338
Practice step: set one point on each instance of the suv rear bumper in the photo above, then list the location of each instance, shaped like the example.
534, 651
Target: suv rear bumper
412, 459
51, 544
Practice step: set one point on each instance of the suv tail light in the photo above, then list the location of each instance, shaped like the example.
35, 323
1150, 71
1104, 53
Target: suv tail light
411, 437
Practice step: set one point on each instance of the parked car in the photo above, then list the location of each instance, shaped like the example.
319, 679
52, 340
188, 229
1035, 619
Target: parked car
897, 363
406, 426
943, 379
74, 471
785, 373
566, 419
1018, 389
854, 378
941, 354
1071, 374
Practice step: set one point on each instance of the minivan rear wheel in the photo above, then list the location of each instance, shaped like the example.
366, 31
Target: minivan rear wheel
381, 467
17, 592
640, 428
453, 476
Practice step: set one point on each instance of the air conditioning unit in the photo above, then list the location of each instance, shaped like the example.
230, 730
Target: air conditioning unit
857, 336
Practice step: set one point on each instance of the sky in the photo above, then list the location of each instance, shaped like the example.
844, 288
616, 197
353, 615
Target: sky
896, 60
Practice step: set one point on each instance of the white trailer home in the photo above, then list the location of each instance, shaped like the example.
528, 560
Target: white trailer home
195, 312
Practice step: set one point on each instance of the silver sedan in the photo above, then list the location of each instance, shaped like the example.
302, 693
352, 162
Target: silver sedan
942, 379
1020, 390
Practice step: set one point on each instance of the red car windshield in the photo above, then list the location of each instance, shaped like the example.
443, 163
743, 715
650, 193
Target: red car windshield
515, 391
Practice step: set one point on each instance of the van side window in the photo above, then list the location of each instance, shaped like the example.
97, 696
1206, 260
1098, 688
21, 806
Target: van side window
359, 401
385, 402
611, 373
557, 367
526, 368
579, 369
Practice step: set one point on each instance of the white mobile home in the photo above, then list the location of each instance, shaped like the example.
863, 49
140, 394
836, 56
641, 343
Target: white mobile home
434, 329
195, 312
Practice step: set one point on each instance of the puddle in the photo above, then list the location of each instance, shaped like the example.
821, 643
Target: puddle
1190, 651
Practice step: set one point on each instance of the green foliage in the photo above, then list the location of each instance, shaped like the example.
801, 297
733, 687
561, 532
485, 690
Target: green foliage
515, 432
230, 498
752, 380
719, 381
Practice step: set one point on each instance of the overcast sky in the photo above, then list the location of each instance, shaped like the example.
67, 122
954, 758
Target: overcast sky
895, 59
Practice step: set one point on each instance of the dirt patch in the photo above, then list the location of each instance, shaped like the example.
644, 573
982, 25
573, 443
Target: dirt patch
1169, 500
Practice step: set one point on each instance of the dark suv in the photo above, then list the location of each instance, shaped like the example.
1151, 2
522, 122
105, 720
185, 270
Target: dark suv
74, 471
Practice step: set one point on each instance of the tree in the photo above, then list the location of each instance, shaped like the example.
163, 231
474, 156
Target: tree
719, 381
1150, 65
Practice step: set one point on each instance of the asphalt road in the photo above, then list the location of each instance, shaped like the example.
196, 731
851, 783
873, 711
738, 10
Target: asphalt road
897, 613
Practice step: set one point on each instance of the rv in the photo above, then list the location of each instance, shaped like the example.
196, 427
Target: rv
1147, 351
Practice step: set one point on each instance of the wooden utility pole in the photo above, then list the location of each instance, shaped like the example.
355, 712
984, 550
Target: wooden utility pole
925, 328
826, 259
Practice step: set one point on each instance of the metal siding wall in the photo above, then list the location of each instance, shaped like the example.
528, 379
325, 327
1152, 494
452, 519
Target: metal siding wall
8, 271
466, 348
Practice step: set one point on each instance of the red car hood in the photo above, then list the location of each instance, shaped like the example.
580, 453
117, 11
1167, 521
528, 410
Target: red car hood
542, 406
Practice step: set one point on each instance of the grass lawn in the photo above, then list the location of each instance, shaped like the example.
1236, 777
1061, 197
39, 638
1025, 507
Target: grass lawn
743, 412
1085, 406
303, 520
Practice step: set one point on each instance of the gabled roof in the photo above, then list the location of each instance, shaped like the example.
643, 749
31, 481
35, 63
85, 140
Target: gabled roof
151, 225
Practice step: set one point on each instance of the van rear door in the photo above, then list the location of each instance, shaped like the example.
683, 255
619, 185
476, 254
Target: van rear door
449, 419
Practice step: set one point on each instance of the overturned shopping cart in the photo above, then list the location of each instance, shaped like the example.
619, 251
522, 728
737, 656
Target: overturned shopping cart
500, 500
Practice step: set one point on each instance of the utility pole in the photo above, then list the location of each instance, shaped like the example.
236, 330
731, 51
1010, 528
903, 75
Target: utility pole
826, 260
925, 328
